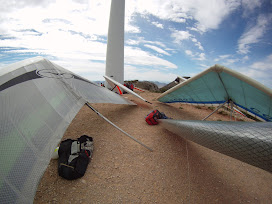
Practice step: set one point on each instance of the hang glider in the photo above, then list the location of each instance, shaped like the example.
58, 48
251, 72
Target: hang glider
250, 142
219, 84
180, 79
38, 100
114, 84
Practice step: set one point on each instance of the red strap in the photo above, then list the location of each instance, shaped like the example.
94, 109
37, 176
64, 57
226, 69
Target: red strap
86, 153
119, 90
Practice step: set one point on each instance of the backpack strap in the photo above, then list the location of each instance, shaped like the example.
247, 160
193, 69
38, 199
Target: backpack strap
74, 151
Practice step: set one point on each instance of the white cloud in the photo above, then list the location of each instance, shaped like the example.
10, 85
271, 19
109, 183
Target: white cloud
254, 34
59, 44
132, 42
260, 71
180, 36
157, 49
65, 15
161, 44
210, 14
228, 59
141, 40
7, 6
136, 56
158, 25
198, 44
74, 31
93, 71
132, 73
231, 61
129, 28
245, 58
265, 65
201, 57
189, 52
196, 56
204, 66
207, 14
249, 6
221, 57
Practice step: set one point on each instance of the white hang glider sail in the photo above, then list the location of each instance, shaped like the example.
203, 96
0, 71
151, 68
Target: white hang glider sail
250, 142
219, 84
38, 101
114, 84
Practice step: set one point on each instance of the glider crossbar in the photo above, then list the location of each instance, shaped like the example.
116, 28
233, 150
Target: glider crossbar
215, 110
99, 114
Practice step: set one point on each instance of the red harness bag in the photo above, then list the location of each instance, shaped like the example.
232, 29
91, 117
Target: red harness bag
152, 117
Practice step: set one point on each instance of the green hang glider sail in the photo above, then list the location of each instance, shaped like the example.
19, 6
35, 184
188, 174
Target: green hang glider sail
219, 84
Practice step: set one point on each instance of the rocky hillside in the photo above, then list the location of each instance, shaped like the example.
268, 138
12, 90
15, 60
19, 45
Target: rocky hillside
168, 86
146, 85
173, 83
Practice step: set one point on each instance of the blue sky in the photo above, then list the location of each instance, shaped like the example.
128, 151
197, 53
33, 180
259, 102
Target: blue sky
163, 39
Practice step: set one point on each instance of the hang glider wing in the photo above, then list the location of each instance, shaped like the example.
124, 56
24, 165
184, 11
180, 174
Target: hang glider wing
180, 79
219, 84
250, 142
120, 87
38, 100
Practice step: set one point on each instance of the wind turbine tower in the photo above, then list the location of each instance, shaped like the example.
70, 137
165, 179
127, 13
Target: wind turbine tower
115, 44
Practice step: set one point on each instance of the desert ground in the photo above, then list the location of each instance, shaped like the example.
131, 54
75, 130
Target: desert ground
176, 171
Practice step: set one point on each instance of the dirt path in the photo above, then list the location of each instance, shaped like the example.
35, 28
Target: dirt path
177, 171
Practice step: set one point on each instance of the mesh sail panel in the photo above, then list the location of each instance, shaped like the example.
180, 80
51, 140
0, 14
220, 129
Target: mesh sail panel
38, 100
250, 142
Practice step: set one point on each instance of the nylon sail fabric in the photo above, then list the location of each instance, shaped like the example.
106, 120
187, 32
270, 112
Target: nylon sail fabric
38, 101
219, 84
250, 142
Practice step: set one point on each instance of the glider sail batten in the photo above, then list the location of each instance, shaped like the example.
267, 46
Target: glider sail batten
219, 84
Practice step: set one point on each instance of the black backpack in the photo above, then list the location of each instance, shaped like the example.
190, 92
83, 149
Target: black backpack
74, 157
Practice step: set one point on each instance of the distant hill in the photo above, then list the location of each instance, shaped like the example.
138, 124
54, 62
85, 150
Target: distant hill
159, 84
147, 85
99, 82
168, 86
173, 83
152, 86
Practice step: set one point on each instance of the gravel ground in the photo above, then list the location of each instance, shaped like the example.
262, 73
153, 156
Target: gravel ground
177, 171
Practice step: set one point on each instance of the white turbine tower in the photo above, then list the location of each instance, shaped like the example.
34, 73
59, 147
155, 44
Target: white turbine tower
115, 45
